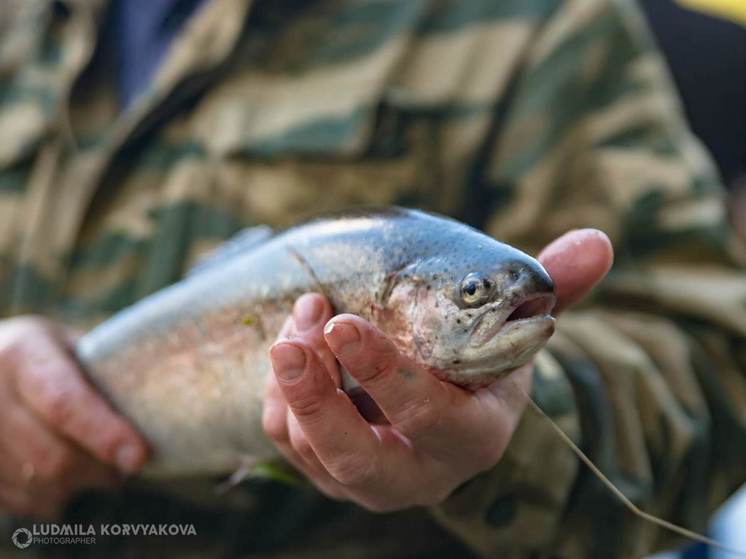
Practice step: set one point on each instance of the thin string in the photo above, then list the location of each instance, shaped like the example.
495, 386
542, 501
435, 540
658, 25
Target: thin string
622, 497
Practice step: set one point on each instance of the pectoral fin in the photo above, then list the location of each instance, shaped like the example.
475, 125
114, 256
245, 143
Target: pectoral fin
245, 469
251, 468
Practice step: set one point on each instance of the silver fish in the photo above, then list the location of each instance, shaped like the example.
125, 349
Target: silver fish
188, 364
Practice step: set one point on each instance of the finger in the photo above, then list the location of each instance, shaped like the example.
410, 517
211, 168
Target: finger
42, 461
310, 313
274, 413
30, 480
512, 391
413, 400
504, 401
344, 443
49, 382
304, 458
577, 261
275, 424
84, 473
287, 329
329, 486
289, 453
275, 420
301, 446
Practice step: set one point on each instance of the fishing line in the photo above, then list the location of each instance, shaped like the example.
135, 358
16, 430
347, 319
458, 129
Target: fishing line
680, 530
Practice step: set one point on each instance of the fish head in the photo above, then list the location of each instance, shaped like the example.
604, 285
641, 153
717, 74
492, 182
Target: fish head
472, 315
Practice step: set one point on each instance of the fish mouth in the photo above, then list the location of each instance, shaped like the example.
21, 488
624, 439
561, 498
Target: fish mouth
503, 338
496, 321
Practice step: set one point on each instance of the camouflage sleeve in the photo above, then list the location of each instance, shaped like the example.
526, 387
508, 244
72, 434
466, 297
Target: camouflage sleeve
647, 376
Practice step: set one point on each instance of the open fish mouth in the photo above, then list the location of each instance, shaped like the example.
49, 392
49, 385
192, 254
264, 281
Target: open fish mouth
532, 312
503, 338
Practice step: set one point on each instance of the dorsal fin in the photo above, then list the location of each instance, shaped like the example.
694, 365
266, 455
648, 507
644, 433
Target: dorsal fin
243, 241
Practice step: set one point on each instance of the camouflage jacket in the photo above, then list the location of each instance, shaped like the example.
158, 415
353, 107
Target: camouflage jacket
525, 118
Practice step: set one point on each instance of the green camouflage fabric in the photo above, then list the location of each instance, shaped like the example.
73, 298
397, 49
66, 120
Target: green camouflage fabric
525, 118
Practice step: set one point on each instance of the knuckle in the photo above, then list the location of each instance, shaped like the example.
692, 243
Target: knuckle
382, 344
377, 371
307, 407
355, 470
56, 403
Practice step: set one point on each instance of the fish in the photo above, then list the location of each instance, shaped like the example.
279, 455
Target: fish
188, 365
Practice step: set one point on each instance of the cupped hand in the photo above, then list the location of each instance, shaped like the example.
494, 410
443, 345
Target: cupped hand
437, 435
57, 436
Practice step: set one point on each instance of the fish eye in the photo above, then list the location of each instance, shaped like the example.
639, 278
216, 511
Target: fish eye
475, 289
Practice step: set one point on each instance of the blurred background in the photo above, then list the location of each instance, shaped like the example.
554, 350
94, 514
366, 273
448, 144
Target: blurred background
704, 42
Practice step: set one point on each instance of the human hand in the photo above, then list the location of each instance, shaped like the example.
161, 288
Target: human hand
57, 436
437, 435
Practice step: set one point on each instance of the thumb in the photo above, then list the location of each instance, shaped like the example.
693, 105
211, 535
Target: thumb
577, 261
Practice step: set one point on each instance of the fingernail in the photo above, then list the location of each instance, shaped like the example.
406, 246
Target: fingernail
346, 336
128, 458
289, 361
307, 312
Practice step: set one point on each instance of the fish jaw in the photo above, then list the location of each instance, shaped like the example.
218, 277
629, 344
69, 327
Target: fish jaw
471, 348
502, 339
502, 315
511, 348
